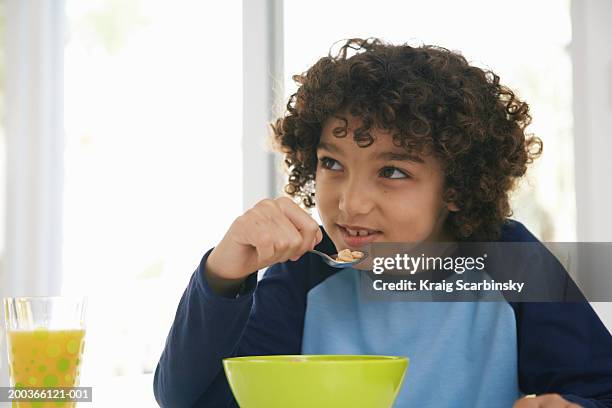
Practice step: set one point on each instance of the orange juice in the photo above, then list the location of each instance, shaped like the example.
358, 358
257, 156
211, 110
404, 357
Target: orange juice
45, 358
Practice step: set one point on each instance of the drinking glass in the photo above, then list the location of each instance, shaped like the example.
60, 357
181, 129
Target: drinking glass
45, 341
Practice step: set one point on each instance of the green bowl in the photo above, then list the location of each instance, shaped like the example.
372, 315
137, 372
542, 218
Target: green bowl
307, 381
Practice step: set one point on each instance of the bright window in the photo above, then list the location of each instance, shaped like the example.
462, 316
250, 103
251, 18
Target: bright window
153, 174
2, 136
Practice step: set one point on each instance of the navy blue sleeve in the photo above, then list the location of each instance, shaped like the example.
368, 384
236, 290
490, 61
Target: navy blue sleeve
266, 318
564, 348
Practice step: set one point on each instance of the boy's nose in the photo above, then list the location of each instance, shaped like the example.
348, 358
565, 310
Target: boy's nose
355, 199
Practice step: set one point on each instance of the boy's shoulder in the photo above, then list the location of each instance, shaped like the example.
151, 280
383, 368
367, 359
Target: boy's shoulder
515, 231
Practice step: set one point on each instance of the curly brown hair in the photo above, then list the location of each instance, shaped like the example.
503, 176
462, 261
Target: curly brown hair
431, 100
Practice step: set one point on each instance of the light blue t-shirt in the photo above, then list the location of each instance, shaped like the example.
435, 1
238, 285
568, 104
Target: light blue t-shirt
462, 354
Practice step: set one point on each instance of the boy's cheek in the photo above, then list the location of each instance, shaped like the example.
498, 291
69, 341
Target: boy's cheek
416, 227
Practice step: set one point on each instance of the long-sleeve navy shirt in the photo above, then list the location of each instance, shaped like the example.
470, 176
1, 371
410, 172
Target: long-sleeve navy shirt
462, 354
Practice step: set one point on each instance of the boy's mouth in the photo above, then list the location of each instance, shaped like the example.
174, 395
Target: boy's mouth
357, 236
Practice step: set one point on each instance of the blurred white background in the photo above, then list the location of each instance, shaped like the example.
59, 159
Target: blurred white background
133, 132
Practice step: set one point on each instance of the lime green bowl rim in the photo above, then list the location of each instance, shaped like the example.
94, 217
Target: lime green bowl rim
318, 359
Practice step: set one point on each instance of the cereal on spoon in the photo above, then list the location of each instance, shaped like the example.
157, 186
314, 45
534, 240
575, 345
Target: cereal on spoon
346, 255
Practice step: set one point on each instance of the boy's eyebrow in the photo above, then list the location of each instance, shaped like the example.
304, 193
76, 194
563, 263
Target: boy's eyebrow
395, 156
400, 157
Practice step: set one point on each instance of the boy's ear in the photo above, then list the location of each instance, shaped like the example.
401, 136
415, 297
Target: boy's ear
452, 207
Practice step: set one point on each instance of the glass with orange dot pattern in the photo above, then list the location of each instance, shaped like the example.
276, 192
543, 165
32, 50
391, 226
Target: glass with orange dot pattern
45, 342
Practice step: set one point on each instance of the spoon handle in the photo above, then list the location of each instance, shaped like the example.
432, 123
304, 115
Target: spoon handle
314, 251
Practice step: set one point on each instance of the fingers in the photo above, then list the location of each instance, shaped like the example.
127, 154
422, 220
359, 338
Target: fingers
307, 226
544, 401
302, 231
258, 234
280, 230
272, 231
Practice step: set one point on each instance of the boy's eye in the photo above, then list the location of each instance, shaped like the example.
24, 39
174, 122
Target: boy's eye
393, 173
387, 172
330, 164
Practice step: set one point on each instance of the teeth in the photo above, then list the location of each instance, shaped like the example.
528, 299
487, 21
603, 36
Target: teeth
361, 233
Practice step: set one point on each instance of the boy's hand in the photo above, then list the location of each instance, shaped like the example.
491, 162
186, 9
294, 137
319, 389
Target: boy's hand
270, 232
544, 401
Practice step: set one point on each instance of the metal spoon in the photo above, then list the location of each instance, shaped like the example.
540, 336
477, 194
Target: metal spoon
336, 264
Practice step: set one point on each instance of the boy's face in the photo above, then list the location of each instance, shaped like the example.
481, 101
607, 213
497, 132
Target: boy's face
379, 190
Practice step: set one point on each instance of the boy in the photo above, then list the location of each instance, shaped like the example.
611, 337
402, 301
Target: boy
405, 145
